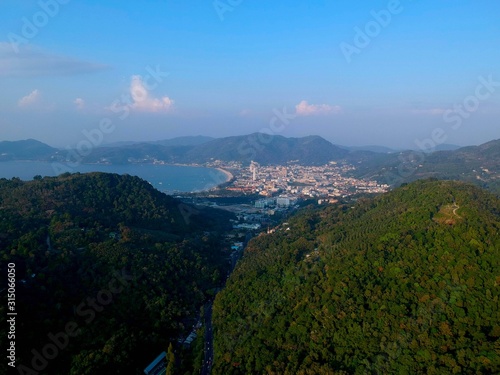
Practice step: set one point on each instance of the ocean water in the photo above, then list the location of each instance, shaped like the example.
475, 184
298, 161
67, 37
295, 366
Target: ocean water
166, 178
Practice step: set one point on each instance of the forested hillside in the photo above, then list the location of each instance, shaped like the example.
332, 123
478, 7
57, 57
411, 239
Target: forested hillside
262, 148
405, 283
28, 149
127, 264
479, 165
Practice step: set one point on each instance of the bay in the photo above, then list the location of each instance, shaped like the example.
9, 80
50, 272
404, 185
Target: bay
166, 178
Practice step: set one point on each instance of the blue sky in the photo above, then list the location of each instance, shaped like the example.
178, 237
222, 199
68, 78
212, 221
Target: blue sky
356, 73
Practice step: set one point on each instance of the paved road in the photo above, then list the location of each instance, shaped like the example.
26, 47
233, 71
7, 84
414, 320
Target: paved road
209, 338
208, 358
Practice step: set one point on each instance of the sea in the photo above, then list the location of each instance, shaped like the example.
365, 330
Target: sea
169, 179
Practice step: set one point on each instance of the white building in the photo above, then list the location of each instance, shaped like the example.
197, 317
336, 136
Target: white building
283, 202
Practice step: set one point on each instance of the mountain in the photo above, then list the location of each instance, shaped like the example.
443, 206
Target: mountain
137, 152
127, 266
120, 144
29, 149
477, 164
178, 141
268, 149
405, 283
445, 147
372, 148
184, 141
262, 148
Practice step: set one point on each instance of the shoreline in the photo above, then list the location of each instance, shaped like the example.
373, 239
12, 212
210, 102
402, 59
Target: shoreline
211, 186
229, 175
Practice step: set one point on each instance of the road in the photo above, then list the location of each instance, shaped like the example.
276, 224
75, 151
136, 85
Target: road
208, 358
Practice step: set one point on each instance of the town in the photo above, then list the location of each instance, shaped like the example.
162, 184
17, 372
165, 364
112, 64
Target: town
262, 196
295, 181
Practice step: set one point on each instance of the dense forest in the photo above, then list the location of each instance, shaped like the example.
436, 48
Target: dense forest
106, 265
479, 165
404, 283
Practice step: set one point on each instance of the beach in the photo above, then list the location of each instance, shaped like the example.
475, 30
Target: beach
229, 175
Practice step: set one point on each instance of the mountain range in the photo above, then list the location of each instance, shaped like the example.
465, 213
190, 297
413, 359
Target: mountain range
478, 164
259, 147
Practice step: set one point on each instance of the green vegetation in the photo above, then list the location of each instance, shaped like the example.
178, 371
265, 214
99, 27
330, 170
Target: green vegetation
479, 165
127, 264
25, 150
263, 148
405, 283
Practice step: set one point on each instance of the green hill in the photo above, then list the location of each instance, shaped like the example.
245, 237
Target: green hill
405, 283
268, 149
29, 149
127, 264
262, 148
477, 164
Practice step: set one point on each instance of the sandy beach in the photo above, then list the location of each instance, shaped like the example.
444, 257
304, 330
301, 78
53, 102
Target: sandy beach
229, 175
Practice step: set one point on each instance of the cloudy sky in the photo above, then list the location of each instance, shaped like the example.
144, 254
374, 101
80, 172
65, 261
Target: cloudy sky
391, 73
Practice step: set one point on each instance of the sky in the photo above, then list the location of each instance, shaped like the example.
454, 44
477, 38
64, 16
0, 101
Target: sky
398, 73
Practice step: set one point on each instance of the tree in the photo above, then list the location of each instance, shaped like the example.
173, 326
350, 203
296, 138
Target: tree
170, 360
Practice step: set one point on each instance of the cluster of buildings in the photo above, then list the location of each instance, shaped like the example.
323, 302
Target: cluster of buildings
298, 181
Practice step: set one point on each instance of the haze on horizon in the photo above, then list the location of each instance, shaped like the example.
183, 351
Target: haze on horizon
389, 73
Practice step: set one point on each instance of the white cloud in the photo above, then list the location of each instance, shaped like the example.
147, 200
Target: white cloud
34, 62
30, 99
306, 109
143, 101
80, 103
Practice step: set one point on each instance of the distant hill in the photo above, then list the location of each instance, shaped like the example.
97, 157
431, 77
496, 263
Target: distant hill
262, 148
445, 147
178, 141
184, 141
120, 144
136, 153
405, 283
145, 259
371, 148
268, 149
477, 164
29, 149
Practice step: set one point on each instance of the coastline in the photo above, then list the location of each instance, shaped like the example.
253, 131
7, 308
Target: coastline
229, 175
44, 168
